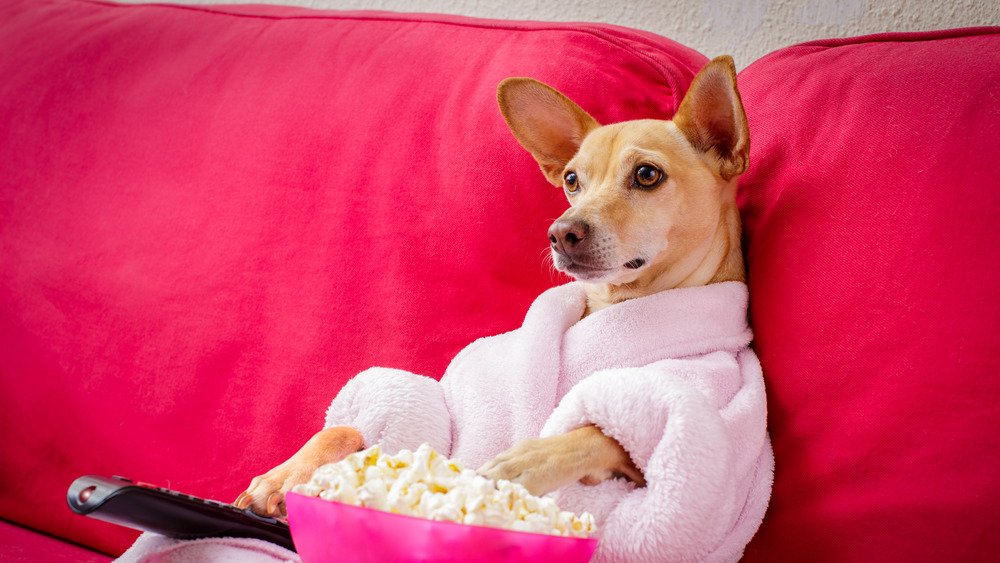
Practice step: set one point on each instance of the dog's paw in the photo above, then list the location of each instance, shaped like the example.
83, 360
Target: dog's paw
527, 464
543, 465
266, 493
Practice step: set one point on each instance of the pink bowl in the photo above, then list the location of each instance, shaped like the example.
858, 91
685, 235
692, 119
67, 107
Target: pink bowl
331, 531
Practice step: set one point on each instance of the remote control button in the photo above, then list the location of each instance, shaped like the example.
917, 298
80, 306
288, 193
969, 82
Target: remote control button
86, 494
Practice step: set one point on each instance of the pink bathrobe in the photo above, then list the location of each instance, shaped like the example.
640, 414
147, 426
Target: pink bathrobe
671, 377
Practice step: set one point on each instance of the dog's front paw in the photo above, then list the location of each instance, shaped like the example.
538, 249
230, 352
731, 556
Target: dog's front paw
532, 463
543, 465
266, 493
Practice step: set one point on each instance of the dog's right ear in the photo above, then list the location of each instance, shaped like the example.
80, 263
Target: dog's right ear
546, 123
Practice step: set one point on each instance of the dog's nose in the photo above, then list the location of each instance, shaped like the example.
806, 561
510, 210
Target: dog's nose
568, 233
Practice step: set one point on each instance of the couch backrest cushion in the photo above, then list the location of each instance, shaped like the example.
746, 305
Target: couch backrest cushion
212, 217
872, 228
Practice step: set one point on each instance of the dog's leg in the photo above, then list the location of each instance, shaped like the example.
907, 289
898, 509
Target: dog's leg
543, 465
266, 493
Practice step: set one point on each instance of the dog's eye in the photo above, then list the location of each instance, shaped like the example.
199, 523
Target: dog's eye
569, 180
648, 176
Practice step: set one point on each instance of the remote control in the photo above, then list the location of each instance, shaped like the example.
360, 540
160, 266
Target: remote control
170, 513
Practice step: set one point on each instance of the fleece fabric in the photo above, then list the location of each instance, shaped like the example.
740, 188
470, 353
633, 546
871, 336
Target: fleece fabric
154, 548
670, 376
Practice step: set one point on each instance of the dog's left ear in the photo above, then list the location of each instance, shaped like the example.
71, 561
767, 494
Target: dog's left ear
711, 116
546, 123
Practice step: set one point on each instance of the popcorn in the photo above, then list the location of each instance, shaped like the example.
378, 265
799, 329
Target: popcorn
425, 484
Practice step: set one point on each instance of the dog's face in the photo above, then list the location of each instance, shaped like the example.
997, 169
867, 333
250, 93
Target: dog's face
641, 199
647, 197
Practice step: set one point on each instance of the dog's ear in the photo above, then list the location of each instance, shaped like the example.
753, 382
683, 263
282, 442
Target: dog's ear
546, 123
711, 116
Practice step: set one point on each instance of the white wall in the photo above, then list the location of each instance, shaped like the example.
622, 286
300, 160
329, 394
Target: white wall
746, 29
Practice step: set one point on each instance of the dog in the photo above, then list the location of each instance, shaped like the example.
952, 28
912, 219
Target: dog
652, 208
624, 234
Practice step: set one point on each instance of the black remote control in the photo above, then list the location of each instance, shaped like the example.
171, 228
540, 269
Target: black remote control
172, 514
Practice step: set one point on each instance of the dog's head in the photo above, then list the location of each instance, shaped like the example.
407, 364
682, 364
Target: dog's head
650, 200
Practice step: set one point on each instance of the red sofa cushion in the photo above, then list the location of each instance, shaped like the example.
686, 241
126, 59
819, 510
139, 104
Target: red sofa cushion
212, 217
21, 545
873, 245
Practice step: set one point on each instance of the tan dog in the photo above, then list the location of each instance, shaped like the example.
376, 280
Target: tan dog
652, 208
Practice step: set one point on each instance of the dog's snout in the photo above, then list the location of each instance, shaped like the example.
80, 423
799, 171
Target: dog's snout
568, 233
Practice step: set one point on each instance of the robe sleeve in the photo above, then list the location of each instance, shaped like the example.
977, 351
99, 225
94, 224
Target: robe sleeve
697, 459
394, 409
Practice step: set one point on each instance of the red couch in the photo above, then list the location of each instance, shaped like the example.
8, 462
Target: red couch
212, 217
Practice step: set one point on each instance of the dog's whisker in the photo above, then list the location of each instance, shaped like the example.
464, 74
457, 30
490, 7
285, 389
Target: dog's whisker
548, 263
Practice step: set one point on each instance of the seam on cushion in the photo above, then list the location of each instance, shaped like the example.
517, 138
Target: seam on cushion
896, 37
608, 35
904, 36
